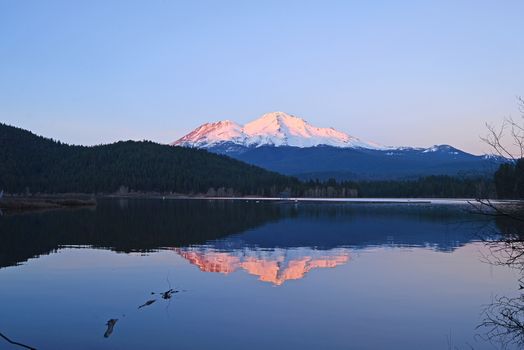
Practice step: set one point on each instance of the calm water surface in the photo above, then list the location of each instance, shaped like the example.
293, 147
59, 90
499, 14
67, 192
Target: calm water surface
247, 275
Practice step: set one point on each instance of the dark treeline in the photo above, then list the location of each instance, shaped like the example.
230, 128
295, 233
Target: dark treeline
509, 180
34, 164
441, 186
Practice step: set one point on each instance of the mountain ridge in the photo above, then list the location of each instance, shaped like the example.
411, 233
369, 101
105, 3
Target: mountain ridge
274, 128
289, 145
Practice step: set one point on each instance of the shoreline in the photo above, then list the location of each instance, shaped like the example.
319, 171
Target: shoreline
19, 204
447, 201
35, 203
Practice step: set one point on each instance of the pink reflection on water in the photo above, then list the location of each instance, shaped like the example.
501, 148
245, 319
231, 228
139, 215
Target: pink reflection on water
274, 266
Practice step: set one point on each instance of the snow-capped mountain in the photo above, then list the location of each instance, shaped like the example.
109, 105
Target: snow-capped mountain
289, 145
271, 129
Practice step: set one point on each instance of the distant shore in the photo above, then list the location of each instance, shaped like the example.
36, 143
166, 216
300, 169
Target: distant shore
446, 201
30, 203
71, 200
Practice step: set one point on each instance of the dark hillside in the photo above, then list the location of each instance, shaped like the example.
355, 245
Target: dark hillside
38, 164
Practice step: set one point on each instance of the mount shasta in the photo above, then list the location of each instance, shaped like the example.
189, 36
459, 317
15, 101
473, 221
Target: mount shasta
289, 145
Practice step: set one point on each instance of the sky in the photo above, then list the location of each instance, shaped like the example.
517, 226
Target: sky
401, 73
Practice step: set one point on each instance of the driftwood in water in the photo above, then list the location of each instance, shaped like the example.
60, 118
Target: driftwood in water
147, 303
110, 325
167, 294
16, 343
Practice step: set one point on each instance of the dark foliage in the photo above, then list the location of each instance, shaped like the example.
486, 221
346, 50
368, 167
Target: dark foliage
509, 180
33, 163
440, 186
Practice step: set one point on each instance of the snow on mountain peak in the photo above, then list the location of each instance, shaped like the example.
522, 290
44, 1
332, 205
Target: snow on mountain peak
275, 128
212, 133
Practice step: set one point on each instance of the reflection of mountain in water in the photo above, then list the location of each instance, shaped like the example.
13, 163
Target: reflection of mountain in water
274, 266
321, 236
232, 226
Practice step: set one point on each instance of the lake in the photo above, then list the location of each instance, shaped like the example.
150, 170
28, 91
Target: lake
208, 274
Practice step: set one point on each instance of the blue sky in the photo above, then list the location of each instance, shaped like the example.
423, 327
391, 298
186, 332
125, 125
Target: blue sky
396, 72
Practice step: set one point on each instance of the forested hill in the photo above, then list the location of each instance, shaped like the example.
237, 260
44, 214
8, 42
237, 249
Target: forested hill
37, 164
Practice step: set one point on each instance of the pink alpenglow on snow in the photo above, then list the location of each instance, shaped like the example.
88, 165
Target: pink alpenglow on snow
276, 129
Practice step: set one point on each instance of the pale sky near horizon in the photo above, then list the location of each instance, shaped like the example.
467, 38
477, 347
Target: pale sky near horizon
414, 73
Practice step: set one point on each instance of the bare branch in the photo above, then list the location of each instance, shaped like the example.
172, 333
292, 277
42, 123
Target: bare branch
504, 319
495, 137
16, 343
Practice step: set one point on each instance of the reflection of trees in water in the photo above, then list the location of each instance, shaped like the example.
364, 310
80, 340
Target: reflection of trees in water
504, 321
508, 248
148, 225
131, 226
503, 318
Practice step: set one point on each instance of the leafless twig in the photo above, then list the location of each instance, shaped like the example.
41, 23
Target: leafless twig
16, 343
